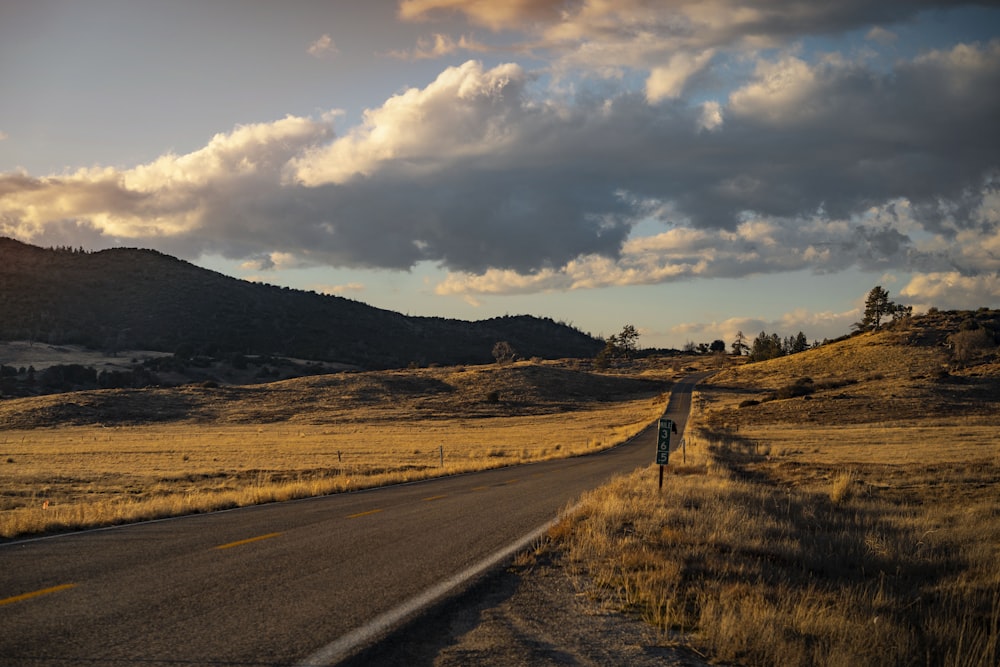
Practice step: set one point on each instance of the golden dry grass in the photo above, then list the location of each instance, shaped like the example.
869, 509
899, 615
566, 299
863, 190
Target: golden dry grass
165, 452
829, 530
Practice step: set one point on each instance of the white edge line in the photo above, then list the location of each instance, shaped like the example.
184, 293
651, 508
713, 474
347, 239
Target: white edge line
346, 645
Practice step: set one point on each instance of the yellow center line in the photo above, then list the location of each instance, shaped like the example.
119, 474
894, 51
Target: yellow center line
246, 541
436, 497
480, 488
360, 514
511, 481
35, 594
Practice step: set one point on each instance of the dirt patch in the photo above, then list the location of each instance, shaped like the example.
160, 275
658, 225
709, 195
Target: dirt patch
525, 615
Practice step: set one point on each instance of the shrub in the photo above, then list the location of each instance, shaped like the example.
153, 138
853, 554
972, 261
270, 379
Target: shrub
801, 387
968, 343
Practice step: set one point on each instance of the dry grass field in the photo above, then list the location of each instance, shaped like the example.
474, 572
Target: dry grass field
838, 507
95, 458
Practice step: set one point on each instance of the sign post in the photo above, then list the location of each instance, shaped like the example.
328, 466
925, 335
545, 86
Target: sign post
665, 428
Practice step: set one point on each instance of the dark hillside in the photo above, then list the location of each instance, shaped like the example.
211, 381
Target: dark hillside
127, 298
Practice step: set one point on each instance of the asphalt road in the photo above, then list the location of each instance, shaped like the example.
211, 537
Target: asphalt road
303, 582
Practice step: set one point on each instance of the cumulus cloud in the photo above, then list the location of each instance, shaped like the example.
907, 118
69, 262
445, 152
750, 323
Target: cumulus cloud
323, 47
667, 81
439, 45
711, 115
470, 171
214, 199
782, 92
881, 35
953, 288
487, 13
466, 112
274, 261
697, 22
664, 38
756, 246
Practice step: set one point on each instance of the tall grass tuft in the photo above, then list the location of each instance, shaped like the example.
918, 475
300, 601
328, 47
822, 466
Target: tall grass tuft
841, 489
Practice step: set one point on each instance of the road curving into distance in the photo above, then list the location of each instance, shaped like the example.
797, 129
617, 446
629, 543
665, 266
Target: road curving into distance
306, 582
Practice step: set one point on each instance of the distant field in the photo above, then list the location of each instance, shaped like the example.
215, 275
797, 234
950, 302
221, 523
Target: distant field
126, 455
43, 355
838, 507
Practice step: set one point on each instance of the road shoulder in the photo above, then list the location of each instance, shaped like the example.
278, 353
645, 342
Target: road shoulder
525, 615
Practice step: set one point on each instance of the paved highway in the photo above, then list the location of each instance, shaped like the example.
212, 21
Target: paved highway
297, 583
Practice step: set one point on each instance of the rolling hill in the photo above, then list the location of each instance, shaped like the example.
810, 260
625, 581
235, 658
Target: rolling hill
126, 298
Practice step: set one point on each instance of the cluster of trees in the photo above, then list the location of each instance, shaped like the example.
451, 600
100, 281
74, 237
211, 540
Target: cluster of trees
69, 377
765, 346
716, 346
770, 346
623, 347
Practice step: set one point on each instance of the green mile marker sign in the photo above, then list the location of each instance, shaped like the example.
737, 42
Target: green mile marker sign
666, 427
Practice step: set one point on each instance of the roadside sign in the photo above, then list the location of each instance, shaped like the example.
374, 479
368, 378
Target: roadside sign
666, 426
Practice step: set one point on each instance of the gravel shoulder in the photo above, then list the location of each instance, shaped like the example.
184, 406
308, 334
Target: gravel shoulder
526, 615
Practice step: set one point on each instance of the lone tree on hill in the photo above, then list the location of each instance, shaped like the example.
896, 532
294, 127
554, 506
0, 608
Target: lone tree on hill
627, 341
740, 346
618, 346
878, 307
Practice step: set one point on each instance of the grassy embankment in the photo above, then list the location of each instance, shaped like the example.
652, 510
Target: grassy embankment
106, 457
847, 514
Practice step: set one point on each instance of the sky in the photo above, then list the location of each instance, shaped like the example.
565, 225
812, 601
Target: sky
694, 168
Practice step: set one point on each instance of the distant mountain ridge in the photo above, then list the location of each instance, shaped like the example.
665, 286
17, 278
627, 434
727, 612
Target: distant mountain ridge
128, 298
